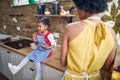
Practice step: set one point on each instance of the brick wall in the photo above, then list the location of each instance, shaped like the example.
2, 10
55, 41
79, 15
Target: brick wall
27, 22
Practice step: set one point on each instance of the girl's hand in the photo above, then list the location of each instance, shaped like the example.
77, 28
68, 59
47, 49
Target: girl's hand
43, 46
34, 37
46, 47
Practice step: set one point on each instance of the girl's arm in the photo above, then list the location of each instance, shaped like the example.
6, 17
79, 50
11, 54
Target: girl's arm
48, 47
34, 37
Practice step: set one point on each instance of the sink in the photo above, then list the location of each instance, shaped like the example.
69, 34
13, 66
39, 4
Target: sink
19, 43
3, 36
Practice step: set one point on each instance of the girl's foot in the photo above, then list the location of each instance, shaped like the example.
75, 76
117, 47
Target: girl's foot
13, 68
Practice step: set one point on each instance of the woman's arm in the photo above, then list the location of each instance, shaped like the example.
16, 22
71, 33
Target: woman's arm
106, 71
64, 48
110, 60
107, 68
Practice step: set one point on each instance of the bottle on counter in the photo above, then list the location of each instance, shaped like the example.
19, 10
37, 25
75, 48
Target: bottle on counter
41, 8
55, 8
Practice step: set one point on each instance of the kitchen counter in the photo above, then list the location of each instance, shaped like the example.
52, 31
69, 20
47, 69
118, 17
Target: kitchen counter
23, 51
53, 61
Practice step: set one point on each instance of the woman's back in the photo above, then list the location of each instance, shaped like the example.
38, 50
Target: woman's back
84, 53
89, 45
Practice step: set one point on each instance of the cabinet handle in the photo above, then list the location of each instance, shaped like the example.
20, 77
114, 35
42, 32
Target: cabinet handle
31, 60
8, 52
32, 69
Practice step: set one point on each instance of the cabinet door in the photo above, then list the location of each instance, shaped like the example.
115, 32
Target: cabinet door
49, 73
29, 71
15, 59
8, 56
1, 66
5, 56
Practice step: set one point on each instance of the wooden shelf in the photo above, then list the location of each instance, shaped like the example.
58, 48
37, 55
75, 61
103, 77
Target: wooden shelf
69, 15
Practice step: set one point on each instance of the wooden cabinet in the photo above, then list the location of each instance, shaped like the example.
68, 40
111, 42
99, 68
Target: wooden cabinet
49, 73
1, 67
29, 71
15, 60
7, 56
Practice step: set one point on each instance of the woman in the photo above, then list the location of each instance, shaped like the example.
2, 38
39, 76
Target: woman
88, 45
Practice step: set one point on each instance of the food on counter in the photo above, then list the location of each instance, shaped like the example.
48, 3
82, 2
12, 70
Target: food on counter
33, 45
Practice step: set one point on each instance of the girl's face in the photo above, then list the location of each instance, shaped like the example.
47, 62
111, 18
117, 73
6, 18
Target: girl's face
42, 27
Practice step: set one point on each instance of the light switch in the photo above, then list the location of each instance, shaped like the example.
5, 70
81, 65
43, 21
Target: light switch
4, 26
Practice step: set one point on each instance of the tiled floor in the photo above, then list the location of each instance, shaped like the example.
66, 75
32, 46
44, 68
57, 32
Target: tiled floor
2, 77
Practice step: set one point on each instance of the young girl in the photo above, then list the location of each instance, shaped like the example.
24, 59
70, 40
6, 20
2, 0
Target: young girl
45, 42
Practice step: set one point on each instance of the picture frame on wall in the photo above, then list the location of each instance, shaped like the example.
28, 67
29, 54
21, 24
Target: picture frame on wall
29, 2
20, 2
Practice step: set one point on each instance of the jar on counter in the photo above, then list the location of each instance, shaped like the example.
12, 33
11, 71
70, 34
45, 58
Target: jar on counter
47, 12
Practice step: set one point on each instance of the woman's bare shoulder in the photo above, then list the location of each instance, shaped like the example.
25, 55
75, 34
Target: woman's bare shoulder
73, 29
76, 26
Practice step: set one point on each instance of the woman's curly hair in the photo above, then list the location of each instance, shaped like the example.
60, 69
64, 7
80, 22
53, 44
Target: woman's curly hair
91, 6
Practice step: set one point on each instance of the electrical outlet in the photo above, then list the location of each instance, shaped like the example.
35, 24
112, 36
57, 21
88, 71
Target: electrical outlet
11, 5
56, 35
18, 28
4, 26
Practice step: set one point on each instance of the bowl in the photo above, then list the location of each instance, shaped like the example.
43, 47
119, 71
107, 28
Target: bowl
47, 13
